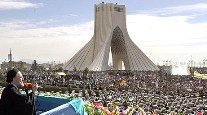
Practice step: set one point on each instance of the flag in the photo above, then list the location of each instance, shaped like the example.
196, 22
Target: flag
122, 83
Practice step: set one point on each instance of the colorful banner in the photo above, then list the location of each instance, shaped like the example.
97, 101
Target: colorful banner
199, 75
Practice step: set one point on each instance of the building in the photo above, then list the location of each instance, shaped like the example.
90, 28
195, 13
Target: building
12, 64
110, 34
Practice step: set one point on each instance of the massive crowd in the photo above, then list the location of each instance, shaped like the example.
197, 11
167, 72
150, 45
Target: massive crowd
122, 80
152, 91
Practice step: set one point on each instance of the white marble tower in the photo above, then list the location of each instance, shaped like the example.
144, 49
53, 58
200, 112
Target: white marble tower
110, 31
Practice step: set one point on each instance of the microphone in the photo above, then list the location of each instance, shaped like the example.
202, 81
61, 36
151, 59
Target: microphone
28, 85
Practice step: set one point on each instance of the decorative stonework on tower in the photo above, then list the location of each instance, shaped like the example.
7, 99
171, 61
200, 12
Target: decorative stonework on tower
110, 31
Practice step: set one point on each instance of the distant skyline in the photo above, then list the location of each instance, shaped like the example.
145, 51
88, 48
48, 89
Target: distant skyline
54, 30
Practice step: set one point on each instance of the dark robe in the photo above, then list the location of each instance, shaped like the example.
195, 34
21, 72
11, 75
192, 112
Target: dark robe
13, 103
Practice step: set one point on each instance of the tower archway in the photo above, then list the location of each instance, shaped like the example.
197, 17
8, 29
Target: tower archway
118, 50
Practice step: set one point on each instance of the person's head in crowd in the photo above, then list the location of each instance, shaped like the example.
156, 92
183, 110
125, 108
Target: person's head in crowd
15, 76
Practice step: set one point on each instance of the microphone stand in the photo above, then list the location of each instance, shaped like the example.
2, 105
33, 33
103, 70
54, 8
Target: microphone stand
32, 98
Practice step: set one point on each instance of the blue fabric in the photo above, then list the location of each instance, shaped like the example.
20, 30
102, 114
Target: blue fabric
78, 105
65, 109
46, 103
60, 106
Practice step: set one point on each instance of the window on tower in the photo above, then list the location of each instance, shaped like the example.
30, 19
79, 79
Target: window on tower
118, 9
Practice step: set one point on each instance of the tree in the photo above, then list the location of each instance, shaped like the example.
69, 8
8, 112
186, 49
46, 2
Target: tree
74, 69
85, 71
34, 65
60, 69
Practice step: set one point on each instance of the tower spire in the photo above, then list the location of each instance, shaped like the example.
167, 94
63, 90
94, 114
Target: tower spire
10, 55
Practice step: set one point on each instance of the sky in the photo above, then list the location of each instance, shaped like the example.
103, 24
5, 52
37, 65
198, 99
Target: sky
54, 30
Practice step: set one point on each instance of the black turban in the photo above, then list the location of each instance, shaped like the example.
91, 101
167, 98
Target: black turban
10, 75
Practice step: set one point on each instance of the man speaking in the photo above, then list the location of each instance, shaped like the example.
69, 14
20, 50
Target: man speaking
12, 102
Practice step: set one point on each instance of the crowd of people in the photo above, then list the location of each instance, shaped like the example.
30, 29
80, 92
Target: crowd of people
122, 80
152, 91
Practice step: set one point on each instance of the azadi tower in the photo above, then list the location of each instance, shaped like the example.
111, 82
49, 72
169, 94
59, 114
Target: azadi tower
110, 32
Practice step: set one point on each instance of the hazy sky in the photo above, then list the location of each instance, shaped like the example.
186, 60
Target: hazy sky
54, 30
